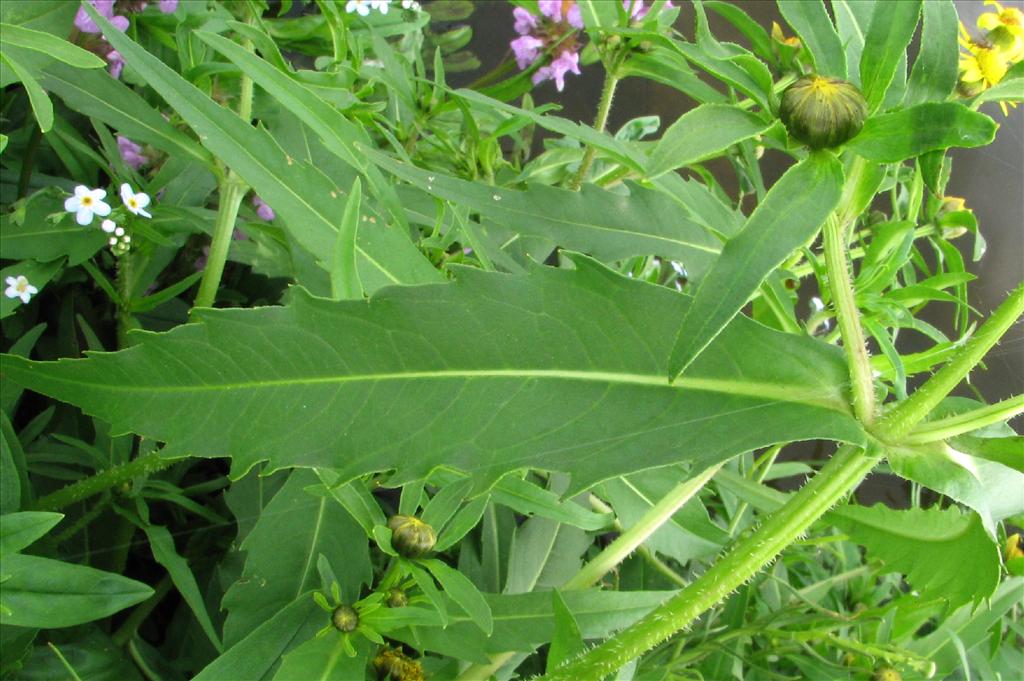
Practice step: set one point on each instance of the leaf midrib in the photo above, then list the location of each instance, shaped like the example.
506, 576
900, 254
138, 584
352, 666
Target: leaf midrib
783, 393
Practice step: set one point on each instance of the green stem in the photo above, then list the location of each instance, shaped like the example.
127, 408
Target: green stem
28, 158
848, 318
628, 541
645, 553
141, 612
104, 480
966, 422
908, 413
232, 190
836, 479
604, 107
125, 321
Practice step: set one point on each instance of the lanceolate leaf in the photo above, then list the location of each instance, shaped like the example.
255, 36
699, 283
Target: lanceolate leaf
934, 74
892, 26
942, 552
414, 378
810, 20
790, 214
606, 225
701, 133
895, 137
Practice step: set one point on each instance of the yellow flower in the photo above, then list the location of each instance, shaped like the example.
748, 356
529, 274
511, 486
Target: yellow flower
1005, 29
1013, 548
982, 65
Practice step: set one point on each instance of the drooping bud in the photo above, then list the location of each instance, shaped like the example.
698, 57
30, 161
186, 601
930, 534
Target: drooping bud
823, 112
410, 536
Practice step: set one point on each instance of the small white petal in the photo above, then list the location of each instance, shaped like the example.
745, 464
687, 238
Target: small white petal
81, 191
10, 281
119, 231
72, 203
84, 216
108, 226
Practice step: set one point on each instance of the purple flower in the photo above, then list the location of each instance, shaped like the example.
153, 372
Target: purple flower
567, 62
526, 49
638, 8
85, 24
116, 62
574, 17
131, 153
168, 6
525, 22
552, 9
262, 209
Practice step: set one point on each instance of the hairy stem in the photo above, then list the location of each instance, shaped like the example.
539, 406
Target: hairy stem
908, 413
966, 422
231, 190
604, 107
835, 480
848, 318
104, 480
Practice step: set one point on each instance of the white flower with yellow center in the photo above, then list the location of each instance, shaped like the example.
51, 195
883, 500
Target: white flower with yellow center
18, 287
136, 203
360, 7
87, 202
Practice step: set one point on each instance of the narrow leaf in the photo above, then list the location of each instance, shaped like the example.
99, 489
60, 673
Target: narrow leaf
892, 26
42, 107
50, 594
428, 360
811, 21
345, 283
791, 213
529, 499
567, 641
702, 133
934, 74
462, 591
904, 134
18, 530
51, 46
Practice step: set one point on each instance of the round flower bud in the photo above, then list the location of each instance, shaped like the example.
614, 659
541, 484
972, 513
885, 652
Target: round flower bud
823, 112
345, 618
396, 598
886, 674
410, 536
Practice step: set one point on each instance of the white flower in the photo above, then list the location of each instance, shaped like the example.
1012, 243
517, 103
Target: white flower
18, 287
136, 203
360, 7
382, 5
87, 202
108, 226
411, 4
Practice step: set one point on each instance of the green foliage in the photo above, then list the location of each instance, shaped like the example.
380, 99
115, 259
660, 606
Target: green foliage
575, 356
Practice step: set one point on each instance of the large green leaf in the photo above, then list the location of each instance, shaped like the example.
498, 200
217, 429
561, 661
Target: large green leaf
29, 234
606, 225
47, 593
810, 20
558, 369
282, 551
942, 552
895, 137
307, 201
791, 213
934, 74
892, 26
702, 133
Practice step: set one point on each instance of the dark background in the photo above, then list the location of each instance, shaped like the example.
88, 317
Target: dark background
990, 178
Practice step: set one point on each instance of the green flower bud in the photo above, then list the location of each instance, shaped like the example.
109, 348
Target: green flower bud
410, 536
345, 618
823, 112
396, 598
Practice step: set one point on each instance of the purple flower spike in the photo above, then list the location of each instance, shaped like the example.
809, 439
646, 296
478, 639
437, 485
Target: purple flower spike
262, 209
526, 50
168, 6
525, 22
85, 24
552, 9
131, 153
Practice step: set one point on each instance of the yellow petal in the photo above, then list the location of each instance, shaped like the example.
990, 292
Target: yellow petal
988, 21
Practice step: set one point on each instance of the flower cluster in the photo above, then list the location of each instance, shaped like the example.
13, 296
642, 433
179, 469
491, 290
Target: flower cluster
86, 203
554, 30
985, 60
85, 24
364, 7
